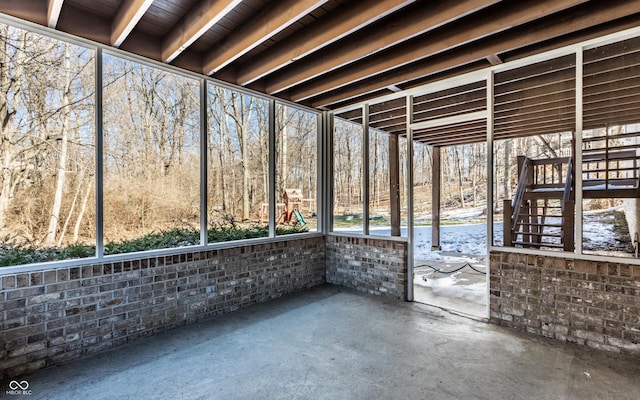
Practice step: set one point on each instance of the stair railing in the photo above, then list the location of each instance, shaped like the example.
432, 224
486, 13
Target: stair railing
520, 191
568, 185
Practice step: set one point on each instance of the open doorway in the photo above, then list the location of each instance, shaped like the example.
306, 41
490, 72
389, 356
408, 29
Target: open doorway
450, 227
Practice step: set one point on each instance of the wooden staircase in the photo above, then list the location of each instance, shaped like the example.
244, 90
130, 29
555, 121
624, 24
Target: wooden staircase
542, 212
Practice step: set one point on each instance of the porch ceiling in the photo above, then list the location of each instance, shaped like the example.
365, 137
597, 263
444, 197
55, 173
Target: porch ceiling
331, 53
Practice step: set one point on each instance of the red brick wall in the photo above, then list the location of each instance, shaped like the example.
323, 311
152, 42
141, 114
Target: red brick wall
578, 301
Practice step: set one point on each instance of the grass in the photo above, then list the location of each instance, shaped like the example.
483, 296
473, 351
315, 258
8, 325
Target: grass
12, 254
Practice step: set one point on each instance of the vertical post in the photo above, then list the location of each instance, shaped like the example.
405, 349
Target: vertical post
394, 184
204, 181
272, 167
365, 169
508, 226
435, 199
409, 183
328, 142
99, 132
568, 226
321, 176
578, 156
490, 186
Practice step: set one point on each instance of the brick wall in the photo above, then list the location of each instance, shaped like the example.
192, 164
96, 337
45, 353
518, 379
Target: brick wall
579, 301
375, 266
56, 315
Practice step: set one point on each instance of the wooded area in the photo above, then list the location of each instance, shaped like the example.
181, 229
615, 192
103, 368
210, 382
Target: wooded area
151, 153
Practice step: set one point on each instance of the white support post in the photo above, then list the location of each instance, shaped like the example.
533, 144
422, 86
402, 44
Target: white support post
490, 210
365, 169
204, 162
272, 168
578, 149
410, 234
99, 139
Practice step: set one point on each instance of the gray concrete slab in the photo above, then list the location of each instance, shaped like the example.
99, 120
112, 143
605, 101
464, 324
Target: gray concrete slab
332, 343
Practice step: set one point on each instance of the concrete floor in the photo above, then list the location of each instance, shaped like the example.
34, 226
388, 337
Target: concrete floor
332, 343
464, 292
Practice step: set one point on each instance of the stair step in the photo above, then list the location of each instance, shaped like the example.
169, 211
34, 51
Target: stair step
557, 235
556, 245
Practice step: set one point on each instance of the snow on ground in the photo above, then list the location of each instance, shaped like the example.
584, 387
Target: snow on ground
466, 291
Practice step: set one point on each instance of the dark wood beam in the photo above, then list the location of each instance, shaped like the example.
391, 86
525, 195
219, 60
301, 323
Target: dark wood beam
415, 21
279, 15
193, 25
435, 199
126, 19
34, 11
589, 16
324, 31
394, 185
456, 35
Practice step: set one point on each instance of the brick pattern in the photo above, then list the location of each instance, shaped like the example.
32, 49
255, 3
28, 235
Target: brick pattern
374, 266
586, 302
52, 316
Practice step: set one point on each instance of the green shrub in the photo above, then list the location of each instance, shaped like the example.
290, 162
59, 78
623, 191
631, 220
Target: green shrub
13, 254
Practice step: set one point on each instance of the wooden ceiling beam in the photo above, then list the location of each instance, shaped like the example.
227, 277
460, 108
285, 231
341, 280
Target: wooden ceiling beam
409, 24
588, 17
193, 25
126, 19
278, 16
427, 45
53, 12
324, 31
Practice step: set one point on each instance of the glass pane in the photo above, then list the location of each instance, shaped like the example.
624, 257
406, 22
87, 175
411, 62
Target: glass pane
296, 170
238, 171
379, 184
534, 119
151, 158
348, 203
610, 149
47, 151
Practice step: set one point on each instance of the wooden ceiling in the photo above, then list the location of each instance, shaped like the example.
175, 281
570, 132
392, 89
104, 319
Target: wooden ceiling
331, 53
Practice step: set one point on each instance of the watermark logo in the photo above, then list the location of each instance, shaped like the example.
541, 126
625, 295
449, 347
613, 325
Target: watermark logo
18, 388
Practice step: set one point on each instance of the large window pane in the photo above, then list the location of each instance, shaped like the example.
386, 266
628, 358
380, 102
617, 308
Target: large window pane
238, 171
47, 153
348, 197
151, 158
534, 119
611, 141
379, 183
296, 169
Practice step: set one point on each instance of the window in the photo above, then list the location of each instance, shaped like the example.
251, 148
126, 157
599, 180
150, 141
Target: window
296, 169
348, 181
47, 150
238, 170
151, 158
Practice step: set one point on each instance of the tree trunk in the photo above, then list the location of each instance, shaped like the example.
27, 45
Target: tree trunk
64, 150
83, 209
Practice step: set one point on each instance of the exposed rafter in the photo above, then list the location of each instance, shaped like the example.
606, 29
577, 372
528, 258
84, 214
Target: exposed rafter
506, 41
193, 25
53, 12
413, 22
126, 19
278, 17
428, 45
351, 17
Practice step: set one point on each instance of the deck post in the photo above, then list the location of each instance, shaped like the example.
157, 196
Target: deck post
568, 226
435, 200
507, 225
